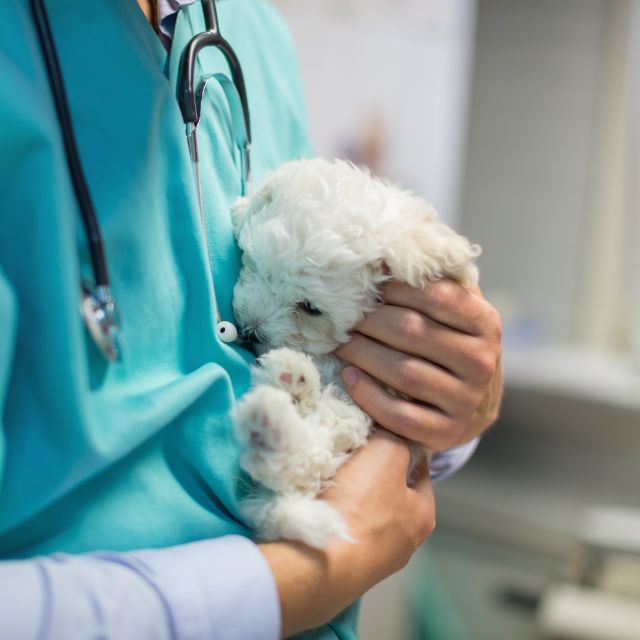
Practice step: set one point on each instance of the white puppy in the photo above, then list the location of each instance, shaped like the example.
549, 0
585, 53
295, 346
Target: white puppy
318, 240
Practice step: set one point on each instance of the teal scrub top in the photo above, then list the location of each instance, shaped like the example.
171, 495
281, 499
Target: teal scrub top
140, 453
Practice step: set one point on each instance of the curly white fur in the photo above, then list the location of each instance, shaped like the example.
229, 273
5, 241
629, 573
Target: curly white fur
318, 240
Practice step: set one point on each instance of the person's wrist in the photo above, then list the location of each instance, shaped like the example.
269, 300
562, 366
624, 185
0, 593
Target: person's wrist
353, 564
309, 592
315, 585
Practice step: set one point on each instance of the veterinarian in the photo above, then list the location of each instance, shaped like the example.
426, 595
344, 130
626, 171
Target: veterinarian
137, 457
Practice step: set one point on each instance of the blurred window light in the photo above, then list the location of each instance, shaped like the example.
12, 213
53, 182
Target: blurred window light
551, 177
520, 121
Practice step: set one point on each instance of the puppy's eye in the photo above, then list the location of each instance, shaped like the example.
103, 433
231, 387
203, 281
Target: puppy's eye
308, 308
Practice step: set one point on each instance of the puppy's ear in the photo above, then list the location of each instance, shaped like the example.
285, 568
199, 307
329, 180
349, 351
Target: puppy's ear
239, 213
428, 250
243, 207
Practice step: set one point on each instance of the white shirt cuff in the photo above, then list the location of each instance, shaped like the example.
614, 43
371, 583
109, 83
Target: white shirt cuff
445, 463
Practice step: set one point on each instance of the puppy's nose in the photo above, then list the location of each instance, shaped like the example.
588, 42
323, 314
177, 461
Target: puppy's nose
254, 337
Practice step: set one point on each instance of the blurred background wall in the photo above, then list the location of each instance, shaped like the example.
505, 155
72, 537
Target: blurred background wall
520, 121
388, 83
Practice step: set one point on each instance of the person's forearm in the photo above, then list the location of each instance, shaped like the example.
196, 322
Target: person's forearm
314, 586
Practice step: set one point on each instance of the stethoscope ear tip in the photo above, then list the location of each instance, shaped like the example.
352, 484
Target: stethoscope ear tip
226, 331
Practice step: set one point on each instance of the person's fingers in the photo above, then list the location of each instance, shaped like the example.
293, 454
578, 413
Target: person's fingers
414, 333
411, 376
422, 500
420, 423
446, 302
419, 474
421, 483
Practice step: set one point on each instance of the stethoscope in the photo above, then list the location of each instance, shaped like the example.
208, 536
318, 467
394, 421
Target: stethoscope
98, 307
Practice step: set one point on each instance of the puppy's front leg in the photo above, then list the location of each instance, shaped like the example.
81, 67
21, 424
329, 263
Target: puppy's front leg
348, 424
292, 461
293, 372
280, 448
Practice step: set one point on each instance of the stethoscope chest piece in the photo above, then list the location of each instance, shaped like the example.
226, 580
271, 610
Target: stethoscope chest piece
100, 315
226, 331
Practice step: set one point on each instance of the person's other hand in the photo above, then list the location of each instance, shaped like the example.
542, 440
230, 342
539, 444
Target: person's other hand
386, 518
440, 346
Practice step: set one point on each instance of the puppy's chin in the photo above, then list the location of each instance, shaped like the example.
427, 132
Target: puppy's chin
261, 348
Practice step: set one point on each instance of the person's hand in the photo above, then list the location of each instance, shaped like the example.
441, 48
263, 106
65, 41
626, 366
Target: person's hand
440, 346
387, 519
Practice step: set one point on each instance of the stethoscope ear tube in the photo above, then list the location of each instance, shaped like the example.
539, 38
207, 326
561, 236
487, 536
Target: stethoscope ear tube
187, 71
97, 307
190, 94
187, 86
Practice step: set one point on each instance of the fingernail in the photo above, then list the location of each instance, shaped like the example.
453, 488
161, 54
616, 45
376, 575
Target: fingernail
349, 376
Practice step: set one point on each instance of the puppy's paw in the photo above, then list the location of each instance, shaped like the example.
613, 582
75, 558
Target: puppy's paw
279, 449
293, 372
261, 420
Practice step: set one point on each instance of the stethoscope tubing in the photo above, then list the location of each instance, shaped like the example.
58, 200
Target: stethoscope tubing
78, 178
98, 307
189, 95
